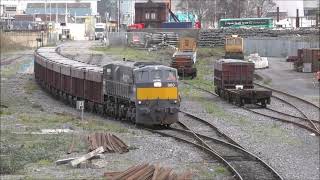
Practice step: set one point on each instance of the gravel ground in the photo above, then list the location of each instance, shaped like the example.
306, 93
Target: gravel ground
269, 139
33, 102
290, 150
280, 75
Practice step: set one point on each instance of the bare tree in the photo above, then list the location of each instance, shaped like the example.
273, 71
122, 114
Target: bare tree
252, 5
204, 9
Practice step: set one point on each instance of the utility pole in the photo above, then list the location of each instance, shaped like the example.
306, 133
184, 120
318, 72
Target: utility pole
45, 11
50, 11
215, 13
118, 15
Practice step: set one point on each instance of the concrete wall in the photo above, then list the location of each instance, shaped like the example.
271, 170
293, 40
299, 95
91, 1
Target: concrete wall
278, 46
23, 38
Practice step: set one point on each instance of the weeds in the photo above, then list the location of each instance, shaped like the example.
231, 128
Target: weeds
5, 112
221, 170
162, 56
19, 150
97, 125
30, 87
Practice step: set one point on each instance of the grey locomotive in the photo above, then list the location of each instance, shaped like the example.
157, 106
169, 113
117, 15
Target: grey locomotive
146, 93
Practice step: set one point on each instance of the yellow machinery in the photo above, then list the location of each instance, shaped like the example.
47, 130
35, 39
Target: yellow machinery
234, 47
185, 57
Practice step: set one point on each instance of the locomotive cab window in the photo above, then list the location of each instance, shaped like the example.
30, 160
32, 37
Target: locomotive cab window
170, 75
142, 76
230, 41
238, 41
156, 74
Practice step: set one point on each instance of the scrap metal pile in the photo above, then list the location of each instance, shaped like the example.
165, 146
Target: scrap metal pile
148, 172
109, 142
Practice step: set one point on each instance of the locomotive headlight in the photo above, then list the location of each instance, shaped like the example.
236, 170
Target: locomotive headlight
157, 84
175, 101
139, 102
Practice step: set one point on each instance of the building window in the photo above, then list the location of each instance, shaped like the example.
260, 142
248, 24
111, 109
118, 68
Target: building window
10, 9
153, 15
147, 16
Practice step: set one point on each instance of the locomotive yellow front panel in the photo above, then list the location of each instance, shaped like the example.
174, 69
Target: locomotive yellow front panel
157, 93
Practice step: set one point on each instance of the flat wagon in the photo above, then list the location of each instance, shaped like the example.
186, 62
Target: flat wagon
233, 80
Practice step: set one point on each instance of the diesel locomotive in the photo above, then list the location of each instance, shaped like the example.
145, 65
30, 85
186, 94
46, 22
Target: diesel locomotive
144, 93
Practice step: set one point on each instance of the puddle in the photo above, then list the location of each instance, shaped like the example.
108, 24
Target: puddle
27, 67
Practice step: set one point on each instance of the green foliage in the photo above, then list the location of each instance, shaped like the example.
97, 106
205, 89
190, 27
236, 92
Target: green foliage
19, 150
210, 52
30, 87
5, 112
221, 170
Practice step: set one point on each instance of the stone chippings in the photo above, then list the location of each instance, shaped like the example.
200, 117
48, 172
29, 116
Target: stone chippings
215, 37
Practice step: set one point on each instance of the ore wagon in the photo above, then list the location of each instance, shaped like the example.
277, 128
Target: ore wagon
233, 80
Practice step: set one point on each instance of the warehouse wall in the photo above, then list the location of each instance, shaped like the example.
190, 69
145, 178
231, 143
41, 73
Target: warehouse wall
278, 46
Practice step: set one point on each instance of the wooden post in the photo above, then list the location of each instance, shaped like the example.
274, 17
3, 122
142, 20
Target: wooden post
87, 156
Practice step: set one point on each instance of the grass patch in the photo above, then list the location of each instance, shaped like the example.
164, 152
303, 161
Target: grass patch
97, 125
20, 150
210, 52
44, 162
46, 119
276, 133
221, 170
267, 81
212, 108
5, 112
162, 55
30, 87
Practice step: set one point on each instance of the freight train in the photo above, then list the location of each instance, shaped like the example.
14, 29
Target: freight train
233, 80
145, 93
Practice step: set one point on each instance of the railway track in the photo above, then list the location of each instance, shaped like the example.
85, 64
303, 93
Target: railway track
301, 122
240, 162
7, 61
294, 101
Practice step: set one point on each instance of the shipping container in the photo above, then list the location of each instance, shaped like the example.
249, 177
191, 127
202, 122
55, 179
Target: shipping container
176, 25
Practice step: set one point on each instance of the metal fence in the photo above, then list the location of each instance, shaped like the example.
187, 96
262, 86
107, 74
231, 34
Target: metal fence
278, 46
126, 38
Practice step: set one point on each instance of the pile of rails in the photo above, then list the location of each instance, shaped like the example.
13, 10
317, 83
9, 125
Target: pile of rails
215, 37
110, 143
146, 171
307, 60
